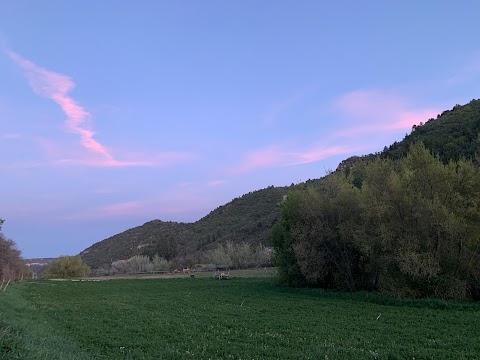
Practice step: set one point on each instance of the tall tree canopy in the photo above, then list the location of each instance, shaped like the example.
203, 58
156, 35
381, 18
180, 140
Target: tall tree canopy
410, 227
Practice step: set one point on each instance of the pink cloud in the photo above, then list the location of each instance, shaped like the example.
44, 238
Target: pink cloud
264, 158
405, 120
365, 103
57, 87
216, 182
277, 156
11, 136
379, 112
317, 153
124, 208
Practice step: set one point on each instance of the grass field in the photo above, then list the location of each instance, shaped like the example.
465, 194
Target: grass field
241, 318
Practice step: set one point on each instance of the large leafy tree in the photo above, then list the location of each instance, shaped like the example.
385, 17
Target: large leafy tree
412, 228
11, 262
421, 225
66, 267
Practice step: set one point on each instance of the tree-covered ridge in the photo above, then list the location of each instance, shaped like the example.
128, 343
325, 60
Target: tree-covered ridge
454, 134
245, 219
412, 228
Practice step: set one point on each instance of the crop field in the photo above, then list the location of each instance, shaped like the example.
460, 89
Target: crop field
240, 318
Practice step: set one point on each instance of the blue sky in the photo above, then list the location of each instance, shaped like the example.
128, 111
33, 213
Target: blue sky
115, 113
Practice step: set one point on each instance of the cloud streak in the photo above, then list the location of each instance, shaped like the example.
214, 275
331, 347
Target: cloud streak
281, 156
57, 87
365, 112
375, 111
11, 136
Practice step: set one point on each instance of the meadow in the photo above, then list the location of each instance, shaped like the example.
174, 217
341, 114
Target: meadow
241, 318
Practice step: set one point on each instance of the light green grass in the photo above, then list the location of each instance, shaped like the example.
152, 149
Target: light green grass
242, 318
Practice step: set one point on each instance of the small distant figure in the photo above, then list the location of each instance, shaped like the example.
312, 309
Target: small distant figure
221, 273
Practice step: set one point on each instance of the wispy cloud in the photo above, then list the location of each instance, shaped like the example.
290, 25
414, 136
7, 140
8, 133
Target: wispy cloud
57, 87
123, 208
379, 111
216, 182
12, 136
280, 156
362, 112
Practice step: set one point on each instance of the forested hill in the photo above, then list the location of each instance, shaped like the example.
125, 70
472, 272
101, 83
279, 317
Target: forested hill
454, 134
245, 219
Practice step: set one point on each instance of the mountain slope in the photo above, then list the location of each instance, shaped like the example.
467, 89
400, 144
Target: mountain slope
248, 218
453, 134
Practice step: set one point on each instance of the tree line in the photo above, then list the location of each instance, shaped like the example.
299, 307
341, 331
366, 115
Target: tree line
234, 255
409, 227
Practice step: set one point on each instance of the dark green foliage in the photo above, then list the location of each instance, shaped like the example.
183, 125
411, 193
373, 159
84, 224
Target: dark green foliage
452, 136
235, 319
246, 219
412, 229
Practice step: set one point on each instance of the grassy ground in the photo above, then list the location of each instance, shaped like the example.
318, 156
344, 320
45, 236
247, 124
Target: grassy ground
241, 318
267, 272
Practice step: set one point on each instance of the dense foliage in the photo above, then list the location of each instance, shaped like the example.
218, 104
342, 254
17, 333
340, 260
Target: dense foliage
12, 265
412, 228
66, 267
235, 319
453, 135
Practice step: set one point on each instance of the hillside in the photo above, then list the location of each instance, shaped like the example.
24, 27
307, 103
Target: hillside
248, 218
453, 134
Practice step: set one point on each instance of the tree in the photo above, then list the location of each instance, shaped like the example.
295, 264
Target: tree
162, 264
11, 262
66, 267
421, 220
411, 229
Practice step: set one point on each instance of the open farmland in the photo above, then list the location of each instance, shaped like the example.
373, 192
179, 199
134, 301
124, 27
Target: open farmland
242, 318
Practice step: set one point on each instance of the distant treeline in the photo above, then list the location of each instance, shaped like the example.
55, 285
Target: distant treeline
407, 227
233, 255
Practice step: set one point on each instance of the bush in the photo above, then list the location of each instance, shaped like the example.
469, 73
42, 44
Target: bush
66, 267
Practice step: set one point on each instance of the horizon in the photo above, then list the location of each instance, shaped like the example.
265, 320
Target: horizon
111, 119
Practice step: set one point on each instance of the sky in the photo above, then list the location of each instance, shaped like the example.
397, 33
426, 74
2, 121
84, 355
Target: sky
114, 113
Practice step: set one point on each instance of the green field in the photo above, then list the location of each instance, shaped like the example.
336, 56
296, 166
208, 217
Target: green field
241, 318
